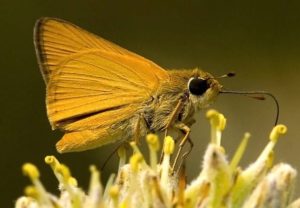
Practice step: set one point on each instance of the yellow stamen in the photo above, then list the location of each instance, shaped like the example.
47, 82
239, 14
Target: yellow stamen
31, 171
153, 144
218, 124
95, 185
169, 145
217, 120
274, 135
114, 194
239, 152
124, 204
135, 161
52, 161
64, 172
72, 181
153, 141
31, 191
114, 191
277, 131
136, 149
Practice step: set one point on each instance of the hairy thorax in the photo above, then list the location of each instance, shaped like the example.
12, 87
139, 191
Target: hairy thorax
160, 111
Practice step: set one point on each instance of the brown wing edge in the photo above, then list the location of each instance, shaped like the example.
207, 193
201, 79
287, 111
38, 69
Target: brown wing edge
38, 44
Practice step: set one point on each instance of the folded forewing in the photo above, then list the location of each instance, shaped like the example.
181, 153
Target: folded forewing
87, 75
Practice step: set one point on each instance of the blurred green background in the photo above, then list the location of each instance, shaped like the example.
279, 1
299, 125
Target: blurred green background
259, 40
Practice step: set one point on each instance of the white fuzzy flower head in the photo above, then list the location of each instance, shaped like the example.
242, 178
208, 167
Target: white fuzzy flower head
221, 182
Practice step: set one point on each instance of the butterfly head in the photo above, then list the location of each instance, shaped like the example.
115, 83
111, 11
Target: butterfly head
203, 88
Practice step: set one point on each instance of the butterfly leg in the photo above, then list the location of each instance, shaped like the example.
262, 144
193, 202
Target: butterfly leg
172, 118
185, 154
183, 127
173, 115
115, 150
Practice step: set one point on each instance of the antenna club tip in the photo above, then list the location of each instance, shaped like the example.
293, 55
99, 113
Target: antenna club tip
231, 74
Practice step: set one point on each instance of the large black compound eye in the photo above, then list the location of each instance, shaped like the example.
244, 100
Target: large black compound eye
198, 86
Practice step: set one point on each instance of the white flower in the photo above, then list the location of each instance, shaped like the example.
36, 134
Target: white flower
138, 183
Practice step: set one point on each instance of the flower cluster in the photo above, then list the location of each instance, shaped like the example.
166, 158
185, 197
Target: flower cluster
138, 183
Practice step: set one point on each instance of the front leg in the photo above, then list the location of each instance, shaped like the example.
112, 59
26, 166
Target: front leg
173, 116
186, 130
175, 113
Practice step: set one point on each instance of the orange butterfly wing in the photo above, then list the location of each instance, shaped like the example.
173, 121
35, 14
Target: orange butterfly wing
91, 83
